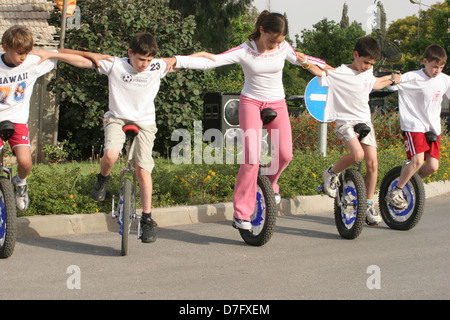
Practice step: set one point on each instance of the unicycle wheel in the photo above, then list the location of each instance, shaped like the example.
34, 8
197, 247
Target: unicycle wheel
264, 217
350, 205
414, 193
7, 218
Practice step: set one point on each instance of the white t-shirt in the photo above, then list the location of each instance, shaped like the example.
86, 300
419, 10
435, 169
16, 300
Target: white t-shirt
132, 93
348, 94
263, 72
16, 87
420, 101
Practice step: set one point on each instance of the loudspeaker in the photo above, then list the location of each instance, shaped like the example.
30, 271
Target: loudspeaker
221, 111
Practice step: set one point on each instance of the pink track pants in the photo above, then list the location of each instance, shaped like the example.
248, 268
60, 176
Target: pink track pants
244, 198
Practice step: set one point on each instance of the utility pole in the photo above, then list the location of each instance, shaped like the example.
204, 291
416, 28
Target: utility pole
63, 25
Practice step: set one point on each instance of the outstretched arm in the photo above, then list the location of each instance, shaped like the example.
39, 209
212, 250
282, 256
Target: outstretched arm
92, 56
171, 62
385, 81
203, 54
307, 65
73, 59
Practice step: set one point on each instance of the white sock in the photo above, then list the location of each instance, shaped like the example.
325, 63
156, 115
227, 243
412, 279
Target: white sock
19, 182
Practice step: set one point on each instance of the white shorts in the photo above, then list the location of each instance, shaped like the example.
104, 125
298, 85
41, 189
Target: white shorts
141, 152
345, 132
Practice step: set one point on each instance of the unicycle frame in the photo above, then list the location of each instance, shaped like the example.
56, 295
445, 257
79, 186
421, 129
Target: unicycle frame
8, 214
126, 206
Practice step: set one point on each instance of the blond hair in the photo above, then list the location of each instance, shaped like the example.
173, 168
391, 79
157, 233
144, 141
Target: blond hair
18, 38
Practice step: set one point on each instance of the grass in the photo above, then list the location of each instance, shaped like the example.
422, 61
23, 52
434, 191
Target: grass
64, 188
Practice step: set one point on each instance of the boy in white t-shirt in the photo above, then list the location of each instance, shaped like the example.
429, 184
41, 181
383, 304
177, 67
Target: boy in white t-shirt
19, 70
420, 95
133, 85
347, 104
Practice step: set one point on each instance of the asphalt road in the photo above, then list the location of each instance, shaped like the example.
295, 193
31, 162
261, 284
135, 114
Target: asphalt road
305, 259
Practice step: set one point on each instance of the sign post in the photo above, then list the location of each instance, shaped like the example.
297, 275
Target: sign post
67, 9
316, 99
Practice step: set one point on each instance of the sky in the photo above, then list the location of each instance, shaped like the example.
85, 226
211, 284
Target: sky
303, 14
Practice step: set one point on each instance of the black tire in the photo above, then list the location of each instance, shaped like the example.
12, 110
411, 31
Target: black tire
414, 193
7, 218
264, 217
350, 205
126, 218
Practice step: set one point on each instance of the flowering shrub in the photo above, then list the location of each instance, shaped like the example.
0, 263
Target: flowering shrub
65, 188
305, 134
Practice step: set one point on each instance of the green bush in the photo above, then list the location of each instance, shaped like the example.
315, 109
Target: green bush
107, 27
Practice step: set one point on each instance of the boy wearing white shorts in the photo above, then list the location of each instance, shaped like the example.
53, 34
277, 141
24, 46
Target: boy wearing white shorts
349, 87
420, 95
133, 85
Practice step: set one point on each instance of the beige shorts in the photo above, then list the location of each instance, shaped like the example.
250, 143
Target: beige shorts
141, 151
345, 132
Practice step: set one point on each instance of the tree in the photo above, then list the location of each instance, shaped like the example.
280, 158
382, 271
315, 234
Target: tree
213, 19
345, 21
107, 27
434, 28
329, 42
382, 30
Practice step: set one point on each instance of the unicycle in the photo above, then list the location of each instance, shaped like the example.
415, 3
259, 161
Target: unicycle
264, 216
126, 208
7, 199
350, 204
413, 192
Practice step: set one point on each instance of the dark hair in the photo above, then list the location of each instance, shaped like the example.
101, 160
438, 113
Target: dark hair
368, 47
271, 22
18, 38
145, 44
436, 53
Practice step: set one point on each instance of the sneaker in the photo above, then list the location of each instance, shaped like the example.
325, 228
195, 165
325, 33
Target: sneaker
148, 232
396, 199
330, 182
372, 216
98, 193
277, 198
241, 224
22, 198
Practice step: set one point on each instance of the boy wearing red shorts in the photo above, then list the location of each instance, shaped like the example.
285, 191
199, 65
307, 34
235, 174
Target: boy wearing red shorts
19, 71
420, 95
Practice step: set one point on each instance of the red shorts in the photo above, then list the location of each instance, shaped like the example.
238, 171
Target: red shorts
415, 143
20, 136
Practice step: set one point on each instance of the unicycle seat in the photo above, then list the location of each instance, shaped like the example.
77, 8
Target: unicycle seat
431, 136
6, 130
131, 130
268, 115
362, 130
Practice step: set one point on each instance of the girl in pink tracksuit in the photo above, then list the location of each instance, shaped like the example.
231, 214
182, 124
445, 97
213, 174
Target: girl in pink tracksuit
262, 59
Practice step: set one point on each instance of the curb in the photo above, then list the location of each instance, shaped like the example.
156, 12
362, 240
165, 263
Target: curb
57, 225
